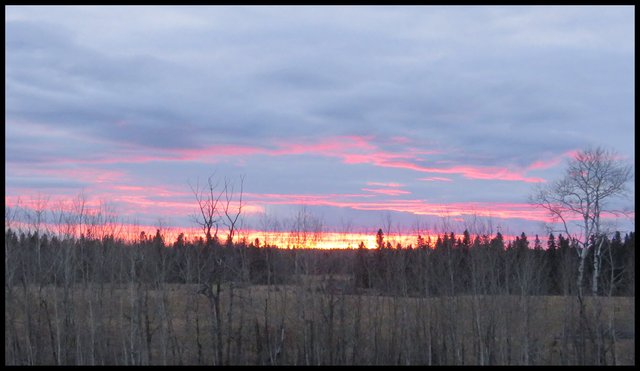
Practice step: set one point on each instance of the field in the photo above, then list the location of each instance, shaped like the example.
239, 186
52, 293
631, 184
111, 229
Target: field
315, 320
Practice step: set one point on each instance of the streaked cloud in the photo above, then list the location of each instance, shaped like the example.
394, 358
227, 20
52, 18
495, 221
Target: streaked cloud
352, 110
436, 179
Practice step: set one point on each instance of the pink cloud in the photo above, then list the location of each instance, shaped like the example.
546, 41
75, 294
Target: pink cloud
129, 199
333, 146
414, 206
379, 184
326, 147
386, 191
218, 150
358, 150
350, 149
545, 164
137, 198
488, 173
418, 207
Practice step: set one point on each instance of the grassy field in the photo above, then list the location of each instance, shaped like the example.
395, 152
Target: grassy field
318, 320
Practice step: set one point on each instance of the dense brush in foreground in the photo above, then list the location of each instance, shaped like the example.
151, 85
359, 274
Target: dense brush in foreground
106, 302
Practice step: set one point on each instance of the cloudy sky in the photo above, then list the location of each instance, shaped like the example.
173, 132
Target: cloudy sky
361, 114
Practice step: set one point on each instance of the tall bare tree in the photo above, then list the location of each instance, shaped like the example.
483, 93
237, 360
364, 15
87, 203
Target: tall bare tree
232, 213
593, 177
208, 198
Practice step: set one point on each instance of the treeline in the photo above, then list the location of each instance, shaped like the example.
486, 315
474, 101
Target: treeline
474, 300
448, 266
491, 266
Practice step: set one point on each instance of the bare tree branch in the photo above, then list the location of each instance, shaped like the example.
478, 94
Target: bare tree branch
592, 178
208, 199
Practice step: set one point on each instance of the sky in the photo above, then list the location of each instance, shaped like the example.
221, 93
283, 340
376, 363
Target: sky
358, 116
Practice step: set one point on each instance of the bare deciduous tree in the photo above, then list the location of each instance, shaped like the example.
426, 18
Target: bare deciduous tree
232, 213
12, 213
593, 177
208, 198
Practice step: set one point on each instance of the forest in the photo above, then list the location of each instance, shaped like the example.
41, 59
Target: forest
470, 300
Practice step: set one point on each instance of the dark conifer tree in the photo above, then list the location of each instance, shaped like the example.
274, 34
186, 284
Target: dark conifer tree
360, 270
537, 244
498, 241
466, 239
551, 242
380, 239
524, 243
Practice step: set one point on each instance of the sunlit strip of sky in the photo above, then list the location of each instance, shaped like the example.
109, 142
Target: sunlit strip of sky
359, 114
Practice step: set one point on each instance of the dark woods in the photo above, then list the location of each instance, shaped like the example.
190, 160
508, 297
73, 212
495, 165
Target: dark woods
448, 266
470, 300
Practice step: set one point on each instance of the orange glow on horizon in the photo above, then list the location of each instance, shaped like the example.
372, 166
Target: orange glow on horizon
280, 239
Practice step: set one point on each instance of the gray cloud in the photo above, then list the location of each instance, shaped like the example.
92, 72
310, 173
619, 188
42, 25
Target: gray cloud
485, 86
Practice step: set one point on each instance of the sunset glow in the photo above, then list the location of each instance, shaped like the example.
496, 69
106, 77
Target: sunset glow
303, 115
281, 239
